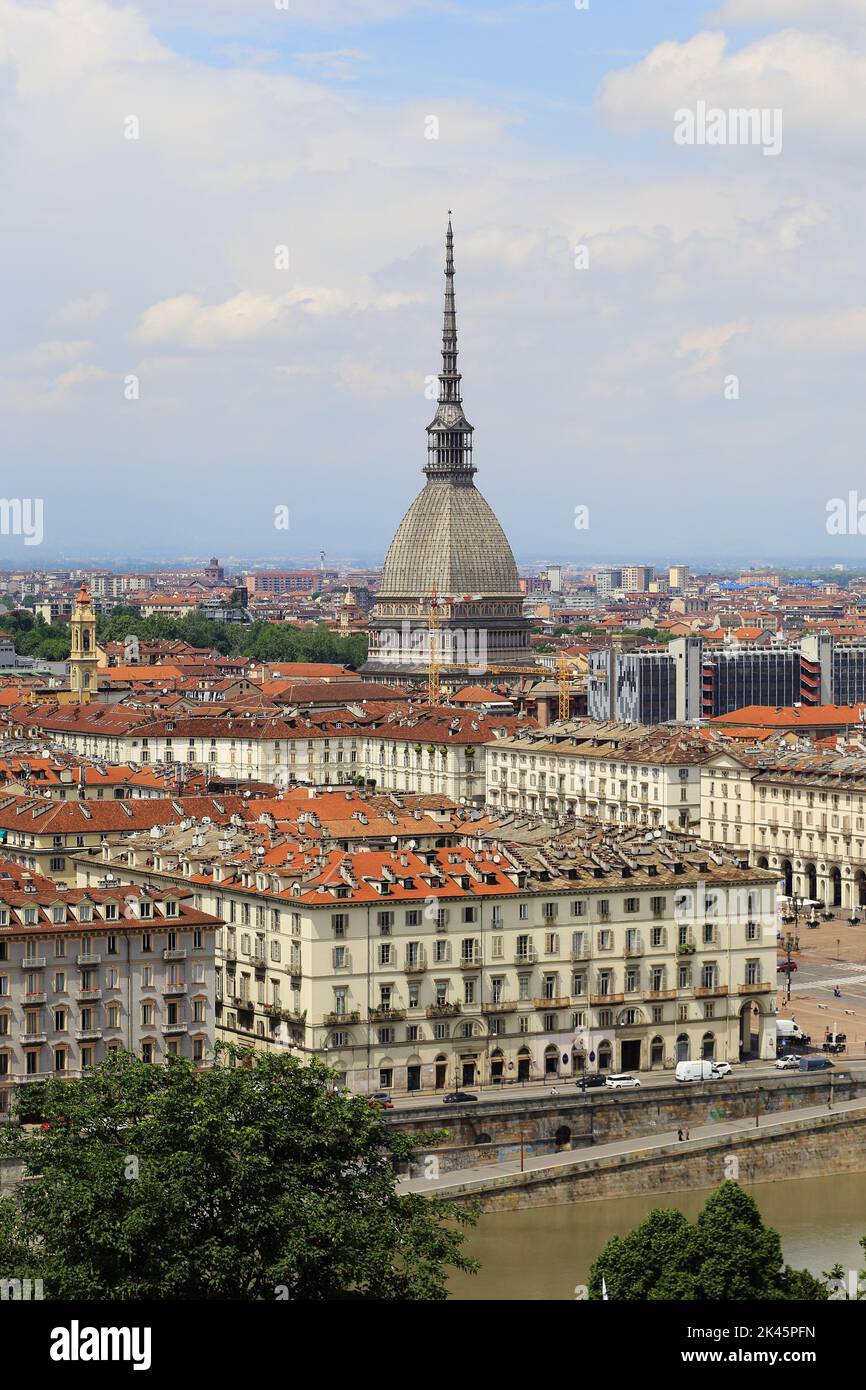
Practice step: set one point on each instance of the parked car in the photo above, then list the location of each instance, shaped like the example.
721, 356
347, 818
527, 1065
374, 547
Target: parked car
382, 1100
787, 1063
786, 967
622, 1082
457, 1098
590, 1079
722, 1068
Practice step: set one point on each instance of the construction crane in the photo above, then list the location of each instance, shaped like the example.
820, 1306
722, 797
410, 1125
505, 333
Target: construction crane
435, 664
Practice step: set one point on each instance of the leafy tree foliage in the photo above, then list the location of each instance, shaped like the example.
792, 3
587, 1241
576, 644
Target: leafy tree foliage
247, 1181
727, 1255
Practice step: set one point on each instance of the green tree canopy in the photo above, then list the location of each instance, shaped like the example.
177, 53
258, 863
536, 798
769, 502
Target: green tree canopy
727, 1255
249, 1181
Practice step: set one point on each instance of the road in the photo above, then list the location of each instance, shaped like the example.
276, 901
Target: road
640, 1144
508, 1094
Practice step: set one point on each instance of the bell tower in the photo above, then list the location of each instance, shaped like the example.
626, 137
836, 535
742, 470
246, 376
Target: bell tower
84, 656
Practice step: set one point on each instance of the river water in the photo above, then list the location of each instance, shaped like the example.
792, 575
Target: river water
542, 1252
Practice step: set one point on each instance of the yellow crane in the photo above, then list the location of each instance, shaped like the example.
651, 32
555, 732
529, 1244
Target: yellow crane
435, 664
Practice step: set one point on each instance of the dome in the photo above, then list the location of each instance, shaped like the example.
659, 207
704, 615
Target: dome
450, 541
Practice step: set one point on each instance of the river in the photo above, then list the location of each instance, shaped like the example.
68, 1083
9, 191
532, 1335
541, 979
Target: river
542, 1252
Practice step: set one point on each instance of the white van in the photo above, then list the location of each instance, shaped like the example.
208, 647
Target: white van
699, 1071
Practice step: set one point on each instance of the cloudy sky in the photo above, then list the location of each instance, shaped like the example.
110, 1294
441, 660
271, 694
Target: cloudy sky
221, 238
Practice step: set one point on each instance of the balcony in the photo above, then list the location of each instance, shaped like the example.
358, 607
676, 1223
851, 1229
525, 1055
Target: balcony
169, 1028
173, 955
89, 995
175, 987
499, 1006
88, 1034
37, 997
416, 965
87, 958
442, 1010
583, 954
230, 955
556, 1001
337, 1020
471, 962
23, 1077
32, 962
529, 957
710, 991
761, 987
599, 1000
31, 1039
656, 994
636, 950
387, 1015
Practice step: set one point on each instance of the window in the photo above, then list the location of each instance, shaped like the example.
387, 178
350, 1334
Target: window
339, 923
632, 904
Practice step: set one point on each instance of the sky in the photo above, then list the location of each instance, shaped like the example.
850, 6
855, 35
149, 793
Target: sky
221, 238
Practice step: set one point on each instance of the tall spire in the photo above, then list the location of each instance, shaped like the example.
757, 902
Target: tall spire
449, 435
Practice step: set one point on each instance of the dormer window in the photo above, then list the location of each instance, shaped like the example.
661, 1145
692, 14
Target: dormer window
85, 913
145, 909
171, 909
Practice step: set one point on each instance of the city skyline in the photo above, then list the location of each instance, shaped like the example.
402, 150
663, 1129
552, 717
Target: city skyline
271, 348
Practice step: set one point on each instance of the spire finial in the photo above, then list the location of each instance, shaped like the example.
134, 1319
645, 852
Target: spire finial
450, 434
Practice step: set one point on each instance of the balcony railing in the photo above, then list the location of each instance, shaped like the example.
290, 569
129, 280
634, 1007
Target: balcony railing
88, 1034
335, 1019
499, 1006
556, 1001
169, 1028
175, 987
528, 957
602, 999
38, 996
89, 996
471, 962
636, 949
759, 987
28, 1039
660, 994
442, 1010
710, 991
583, 954
416, 964
32, 962
387, 1015
88, 958
173, 954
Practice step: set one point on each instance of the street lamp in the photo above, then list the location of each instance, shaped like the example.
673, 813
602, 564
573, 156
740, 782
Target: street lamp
789, 945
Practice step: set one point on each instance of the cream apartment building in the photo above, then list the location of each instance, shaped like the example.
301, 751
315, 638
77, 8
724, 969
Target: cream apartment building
619, 774
421, 969
87, 972
443, 753
800, 813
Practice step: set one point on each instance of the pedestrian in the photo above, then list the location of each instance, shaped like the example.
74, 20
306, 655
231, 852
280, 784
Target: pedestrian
687, 1134
679, 1134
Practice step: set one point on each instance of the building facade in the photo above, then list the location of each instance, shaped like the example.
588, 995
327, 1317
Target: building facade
420, 970
88, 972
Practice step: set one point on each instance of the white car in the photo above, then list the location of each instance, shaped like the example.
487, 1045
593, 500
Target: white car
722, 1068
787, 1064
622, 1082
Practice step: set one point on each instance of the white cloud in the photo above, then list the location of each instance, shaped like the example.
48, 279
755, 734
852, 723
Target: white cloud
84, 310
339, 64
185, 320
48, 354
812, 13
817, 81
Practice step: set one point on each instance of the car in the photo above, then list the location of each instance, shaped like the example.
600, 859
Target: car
591, 1079
623, 1082
787, 1064
457, 1098
786, 967
722, 1068
381, 1100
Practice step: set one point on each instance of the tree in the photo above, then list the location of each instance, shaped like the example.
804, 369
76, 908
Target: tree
252, 1180
727, 1255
